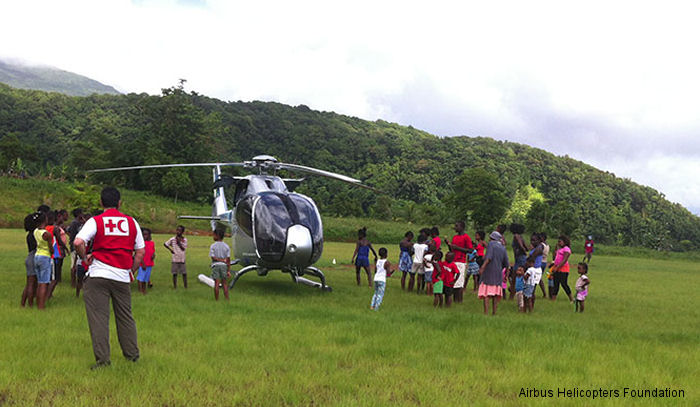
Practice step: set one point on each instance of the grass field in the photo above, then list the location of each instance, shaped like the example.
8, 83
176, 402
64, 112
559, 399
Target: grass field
276, 343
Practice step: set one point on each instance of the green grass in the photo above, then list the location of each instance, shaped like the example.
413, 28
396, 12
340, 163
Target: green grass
276, 343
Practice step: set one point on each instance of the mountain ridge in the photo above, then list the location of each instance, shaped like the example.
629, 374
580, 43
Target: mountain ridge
50, 79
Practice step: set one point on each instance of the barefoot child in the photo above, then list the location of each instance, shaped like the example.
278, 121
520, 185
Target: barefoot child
438, 284
418, 269
429, 268
360, 258
519, 287
532, 279
581, 287
405, 258
177, 245
449, 276
220, 255
144, 274
382, 271
472, 269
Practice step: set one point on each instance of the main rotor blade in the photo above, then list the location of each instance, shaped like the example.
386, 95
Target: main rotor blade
328, 174
142, 167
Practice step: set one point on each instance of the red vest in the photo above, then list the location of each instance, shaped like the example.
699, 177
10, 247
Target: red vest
115, 238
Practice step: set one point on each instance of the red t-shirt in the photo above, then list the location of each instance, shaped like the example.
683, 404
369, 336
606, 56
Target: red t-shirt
480, 249
449, 273
438, 242
465, 242
150, 249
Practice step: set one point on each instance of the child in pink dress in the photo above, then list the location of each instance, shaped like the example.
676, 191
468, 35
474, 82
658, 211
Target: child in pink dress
581, 287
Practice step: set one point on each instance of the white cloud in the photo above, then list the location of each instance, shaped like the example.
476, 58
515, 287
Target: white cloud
547, 73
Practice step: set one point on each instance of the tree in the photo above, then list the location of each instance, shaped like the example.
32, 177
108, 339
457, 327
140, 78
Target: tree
480, 196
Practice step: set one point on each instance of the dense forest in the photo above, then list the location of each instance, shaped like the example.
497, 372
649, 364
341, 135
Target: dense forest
424, 178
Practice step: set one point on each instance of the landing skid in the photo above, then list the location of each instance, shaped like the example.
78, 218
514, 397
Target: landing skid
296, 277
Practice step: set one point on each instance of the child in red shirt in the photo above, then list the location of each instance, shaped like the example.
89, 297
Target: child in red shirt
448, 275
438, 284
144, 274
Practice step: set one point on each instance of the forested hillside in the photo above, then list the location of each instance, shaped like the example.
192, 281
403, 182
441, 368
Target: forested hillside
53, 135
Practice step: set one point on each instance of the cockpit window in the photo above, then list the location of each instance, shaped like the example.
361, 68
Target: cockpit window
274, 214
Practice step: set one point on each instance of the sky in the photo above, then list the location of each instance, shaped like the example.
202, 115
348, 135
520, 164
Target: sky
613, 84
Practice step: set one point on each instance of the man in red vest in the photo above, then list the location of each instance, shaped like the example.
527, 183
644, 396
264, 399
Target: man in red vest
117, 251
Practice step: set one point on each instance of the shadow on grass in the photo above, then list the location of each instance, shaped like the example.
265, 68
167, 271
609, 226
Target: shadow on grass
279, 285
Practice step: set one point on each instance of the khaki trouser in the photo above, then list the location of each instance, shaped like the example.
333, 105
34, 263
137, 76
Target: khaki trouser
97, 293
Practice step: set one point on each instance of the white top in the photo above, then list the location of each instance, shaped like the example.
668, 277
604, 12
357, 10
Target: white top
219, 250
103, 270
429, 266
535, 275
418, 252
380, 274
545, 252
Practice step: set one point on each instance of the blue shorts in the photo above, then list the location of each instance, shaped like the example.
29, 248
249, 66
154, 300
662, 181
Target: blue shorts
42, 267
144, 274
362, 261
473, 269
29, 263
529, 290
428, 276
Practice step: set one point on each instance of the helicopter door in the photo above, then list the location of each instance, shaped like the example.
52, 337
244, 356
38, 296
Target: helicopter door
274, 213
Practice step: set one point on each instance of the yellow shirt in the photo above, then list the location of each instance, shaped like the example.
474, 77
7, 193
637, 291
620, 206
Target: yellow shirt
43, 248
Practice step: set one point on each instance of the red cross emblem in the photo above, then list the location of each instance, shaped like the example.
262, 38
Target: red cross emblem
115, 226
110, 225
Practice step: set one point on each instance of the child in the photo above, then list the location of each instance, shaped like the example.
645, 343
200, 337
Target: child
472, 268
220, 255
435, 237
80, 269
581, 287
438, 284
545, 255
519, 286
532, 279
381, 272
405, 261
360, 258
42, 260
417, 269
177, 246
429, 268
480, 246
144, 273
449, 275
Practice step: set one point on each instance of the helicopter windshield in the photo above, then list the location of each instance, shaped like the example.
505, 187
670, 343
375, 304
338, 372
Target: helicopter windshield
274, 213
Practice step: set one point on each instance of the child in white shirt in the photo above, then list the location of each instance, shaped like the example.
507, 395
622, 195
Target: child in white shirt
383, 270
533, 275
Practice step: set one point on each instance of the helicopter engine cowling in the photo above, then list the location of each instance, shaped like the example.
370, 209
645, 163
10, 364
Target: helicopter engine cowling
299, 246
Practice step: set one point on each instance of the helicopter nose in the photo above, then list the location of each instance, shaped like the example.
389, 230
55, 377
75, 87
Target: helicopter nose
299, 246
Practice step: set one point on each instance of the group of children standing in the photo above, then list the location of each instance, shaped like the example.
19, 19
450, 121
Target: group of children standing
49, 243
445, 276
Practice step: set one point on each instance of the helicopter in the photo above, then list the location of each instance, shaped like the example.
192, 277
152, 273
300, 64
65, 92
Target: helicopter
272, 227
